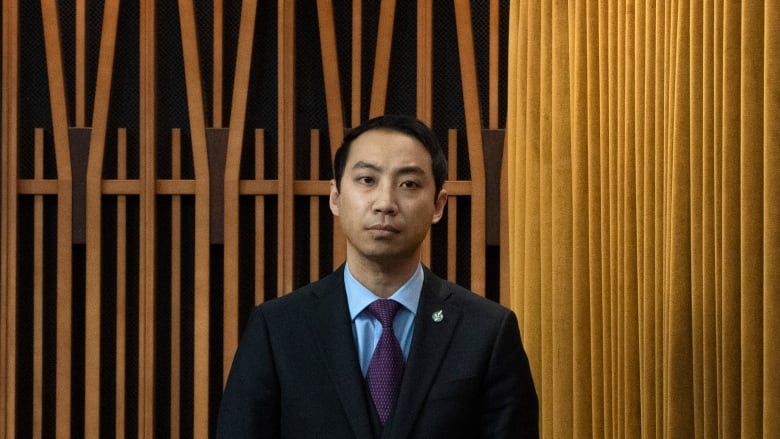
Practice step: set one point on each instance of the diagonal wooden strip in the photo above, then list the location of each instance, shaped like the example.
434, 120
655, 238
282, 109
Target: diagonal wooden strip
93, 218
59, 116
330, 67
194, 84
468, 70
235, 140
335, 106
384, 43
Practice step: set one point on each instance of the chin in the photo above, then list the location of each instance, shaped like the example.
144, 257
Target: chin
385, 257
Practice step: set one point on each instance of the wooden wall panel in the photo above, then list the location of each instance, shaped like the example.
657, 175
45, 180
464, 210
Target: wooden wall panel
181, 239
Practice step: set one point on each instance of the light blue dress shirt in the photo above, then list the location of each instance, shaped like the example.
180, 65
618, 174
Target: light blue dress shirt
367, 329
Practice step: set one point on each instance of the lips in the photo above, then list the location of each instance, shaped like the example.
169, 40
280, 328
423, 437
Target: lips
383, 228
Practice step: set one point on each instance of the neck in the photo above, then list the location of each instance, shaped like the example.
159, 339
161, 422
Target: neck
382, 279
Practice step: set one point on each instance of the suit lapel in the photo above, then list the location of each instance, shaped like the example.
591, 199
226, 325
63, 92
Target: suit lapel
430, 342
333, 329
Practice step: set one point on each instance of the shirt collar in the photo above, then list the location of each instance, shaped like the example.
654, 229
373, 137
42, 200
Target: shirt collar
359, 297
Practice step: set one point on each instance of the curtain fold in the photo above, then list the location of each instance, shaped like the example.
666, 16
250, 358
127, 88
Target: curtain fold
644, 184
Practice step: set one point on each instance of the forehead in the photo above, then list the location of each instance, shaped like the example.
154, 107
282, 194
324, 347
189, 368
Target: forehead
388, 146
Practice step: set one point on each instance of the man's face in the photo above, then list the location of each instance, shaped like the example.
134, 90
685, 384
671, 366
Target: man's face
387, 201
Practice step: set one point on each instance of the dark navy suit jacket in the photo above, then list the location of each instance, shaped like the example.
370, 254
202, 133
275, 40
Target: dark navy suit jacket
296, 372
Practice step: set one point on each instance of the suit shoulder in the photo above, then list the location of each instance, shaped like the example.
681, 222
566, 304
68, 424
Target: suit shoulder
462, 297
303, 295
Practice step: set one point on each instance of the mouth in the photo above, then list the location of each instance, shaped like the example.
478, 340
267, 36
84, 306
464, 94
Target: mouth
383, 229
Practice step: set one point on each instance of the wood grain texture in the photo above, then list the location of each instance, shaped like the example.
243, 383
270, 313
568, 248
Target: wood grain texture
200, 161
147, 232
286, 146
468, 71
64, 215
94, 76
384, 42
231, 184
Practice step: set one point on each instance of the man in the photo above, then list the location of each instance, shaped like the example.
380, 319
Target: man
304, 367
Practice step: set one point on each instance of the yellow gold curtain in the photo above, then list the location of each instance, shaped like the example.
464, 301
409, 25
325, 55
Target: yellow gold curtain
644, 214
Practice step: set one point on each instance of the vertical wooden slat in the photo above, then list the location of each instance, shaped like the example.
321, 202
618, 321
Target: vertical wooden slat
231, 190
314, 209
59, 115
384, 42
493, 67
468, 71
333, 101
452, 207
121, 290
38, 293
147, 139
81, 64
8, 200
357, 63
147, 142
425, 61
93, 218
259, 218
176, 267
425, 84
202, 196
504, 293
286, 147
218, 54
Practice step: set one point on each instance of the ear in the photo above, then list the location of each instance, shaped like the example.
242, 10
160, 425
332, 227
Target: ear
334, 198
439, 204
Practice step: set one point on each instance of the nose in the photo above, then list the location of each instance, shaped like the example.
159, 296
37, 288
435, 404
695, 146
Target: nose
385, 202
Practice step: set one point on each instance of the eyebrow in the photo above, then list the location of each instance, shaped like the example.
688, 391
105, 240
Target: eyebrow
401, 171
365, 165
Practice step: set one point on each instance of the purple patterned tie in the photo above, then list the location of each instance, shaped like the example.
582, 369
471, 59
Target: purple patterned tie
387, 363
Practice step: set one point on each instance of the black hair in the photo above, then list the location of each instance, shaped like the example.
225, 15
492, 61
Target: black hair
403, 124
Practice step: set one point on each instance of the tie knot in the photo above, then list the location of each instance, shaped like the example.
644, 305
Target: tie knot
384, 310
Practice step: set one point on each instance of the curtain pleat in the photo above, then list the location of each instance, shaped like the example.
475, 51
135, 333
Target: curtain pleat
771, 191
644, 185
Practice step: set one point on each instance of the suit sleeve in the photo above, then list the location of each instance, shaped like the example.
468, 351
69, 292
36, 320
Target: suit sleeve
510, 405
250, 401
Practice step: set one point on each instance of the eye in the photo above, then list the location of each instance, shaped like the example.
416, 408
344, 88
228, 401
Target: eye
410, 184
365, 179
